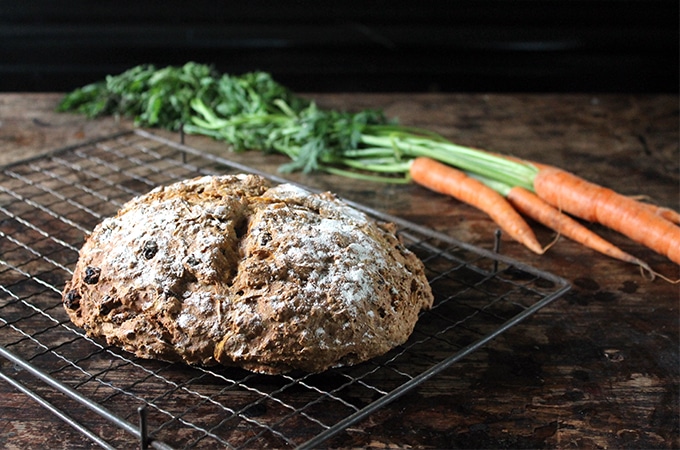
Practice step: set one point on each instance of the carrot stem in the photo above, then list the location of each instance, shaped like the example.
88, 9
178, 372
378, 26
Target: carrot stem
469, 159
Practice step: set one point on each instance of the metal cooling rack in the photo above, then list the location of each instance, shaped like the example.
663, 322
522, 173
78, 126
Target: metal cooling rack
48, 203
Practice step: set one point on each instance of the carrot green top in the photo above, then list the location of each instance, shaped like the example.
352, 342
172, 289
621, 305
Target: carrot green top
254, 112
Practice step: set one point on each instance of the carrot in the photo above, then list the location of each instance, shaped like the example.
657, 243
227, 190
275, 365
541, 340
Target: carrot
531, 205
595, 203
667, 213
446, 180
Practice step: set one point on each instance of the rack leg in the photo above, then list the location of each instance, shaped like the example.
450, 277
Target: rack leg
496, 247
143, 429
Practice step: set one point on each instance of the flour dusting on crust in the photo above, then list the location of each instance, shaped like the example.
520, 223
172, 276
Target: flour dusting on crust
226, 269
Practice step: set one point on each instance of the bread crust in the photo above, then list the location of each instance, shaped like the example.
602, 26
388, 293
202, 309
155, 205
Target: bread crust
226, 269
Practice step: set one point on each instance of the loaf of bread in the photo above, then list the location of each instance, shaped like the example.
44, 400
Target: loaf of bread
228, 270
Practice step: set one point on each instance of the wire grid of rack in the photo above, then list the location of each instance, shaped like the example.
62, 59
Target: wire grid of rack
49, 203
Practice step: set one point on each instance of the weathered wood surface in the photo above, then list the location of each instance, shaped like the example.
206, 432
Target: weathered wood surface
599, 368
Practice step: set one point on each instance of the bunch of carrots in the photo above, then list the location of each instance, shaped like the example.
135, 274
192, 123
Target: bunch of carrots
556, 195
254, 112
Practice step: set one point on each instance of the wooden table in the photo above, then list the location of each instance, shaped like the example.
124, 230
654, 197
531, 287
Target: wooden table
598, 368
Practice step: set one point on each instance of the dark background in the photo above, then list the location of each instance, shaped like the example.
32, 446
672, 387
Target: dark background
316, 46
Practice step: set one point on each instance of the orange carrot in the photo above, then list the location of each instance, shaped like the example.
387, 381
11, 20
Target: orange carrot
589, 201
446, 180
529, 204
667, 213
661, 211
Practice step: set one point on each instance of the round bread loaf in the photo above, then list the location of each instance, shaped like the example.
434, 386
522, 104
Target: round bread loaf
226, 269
